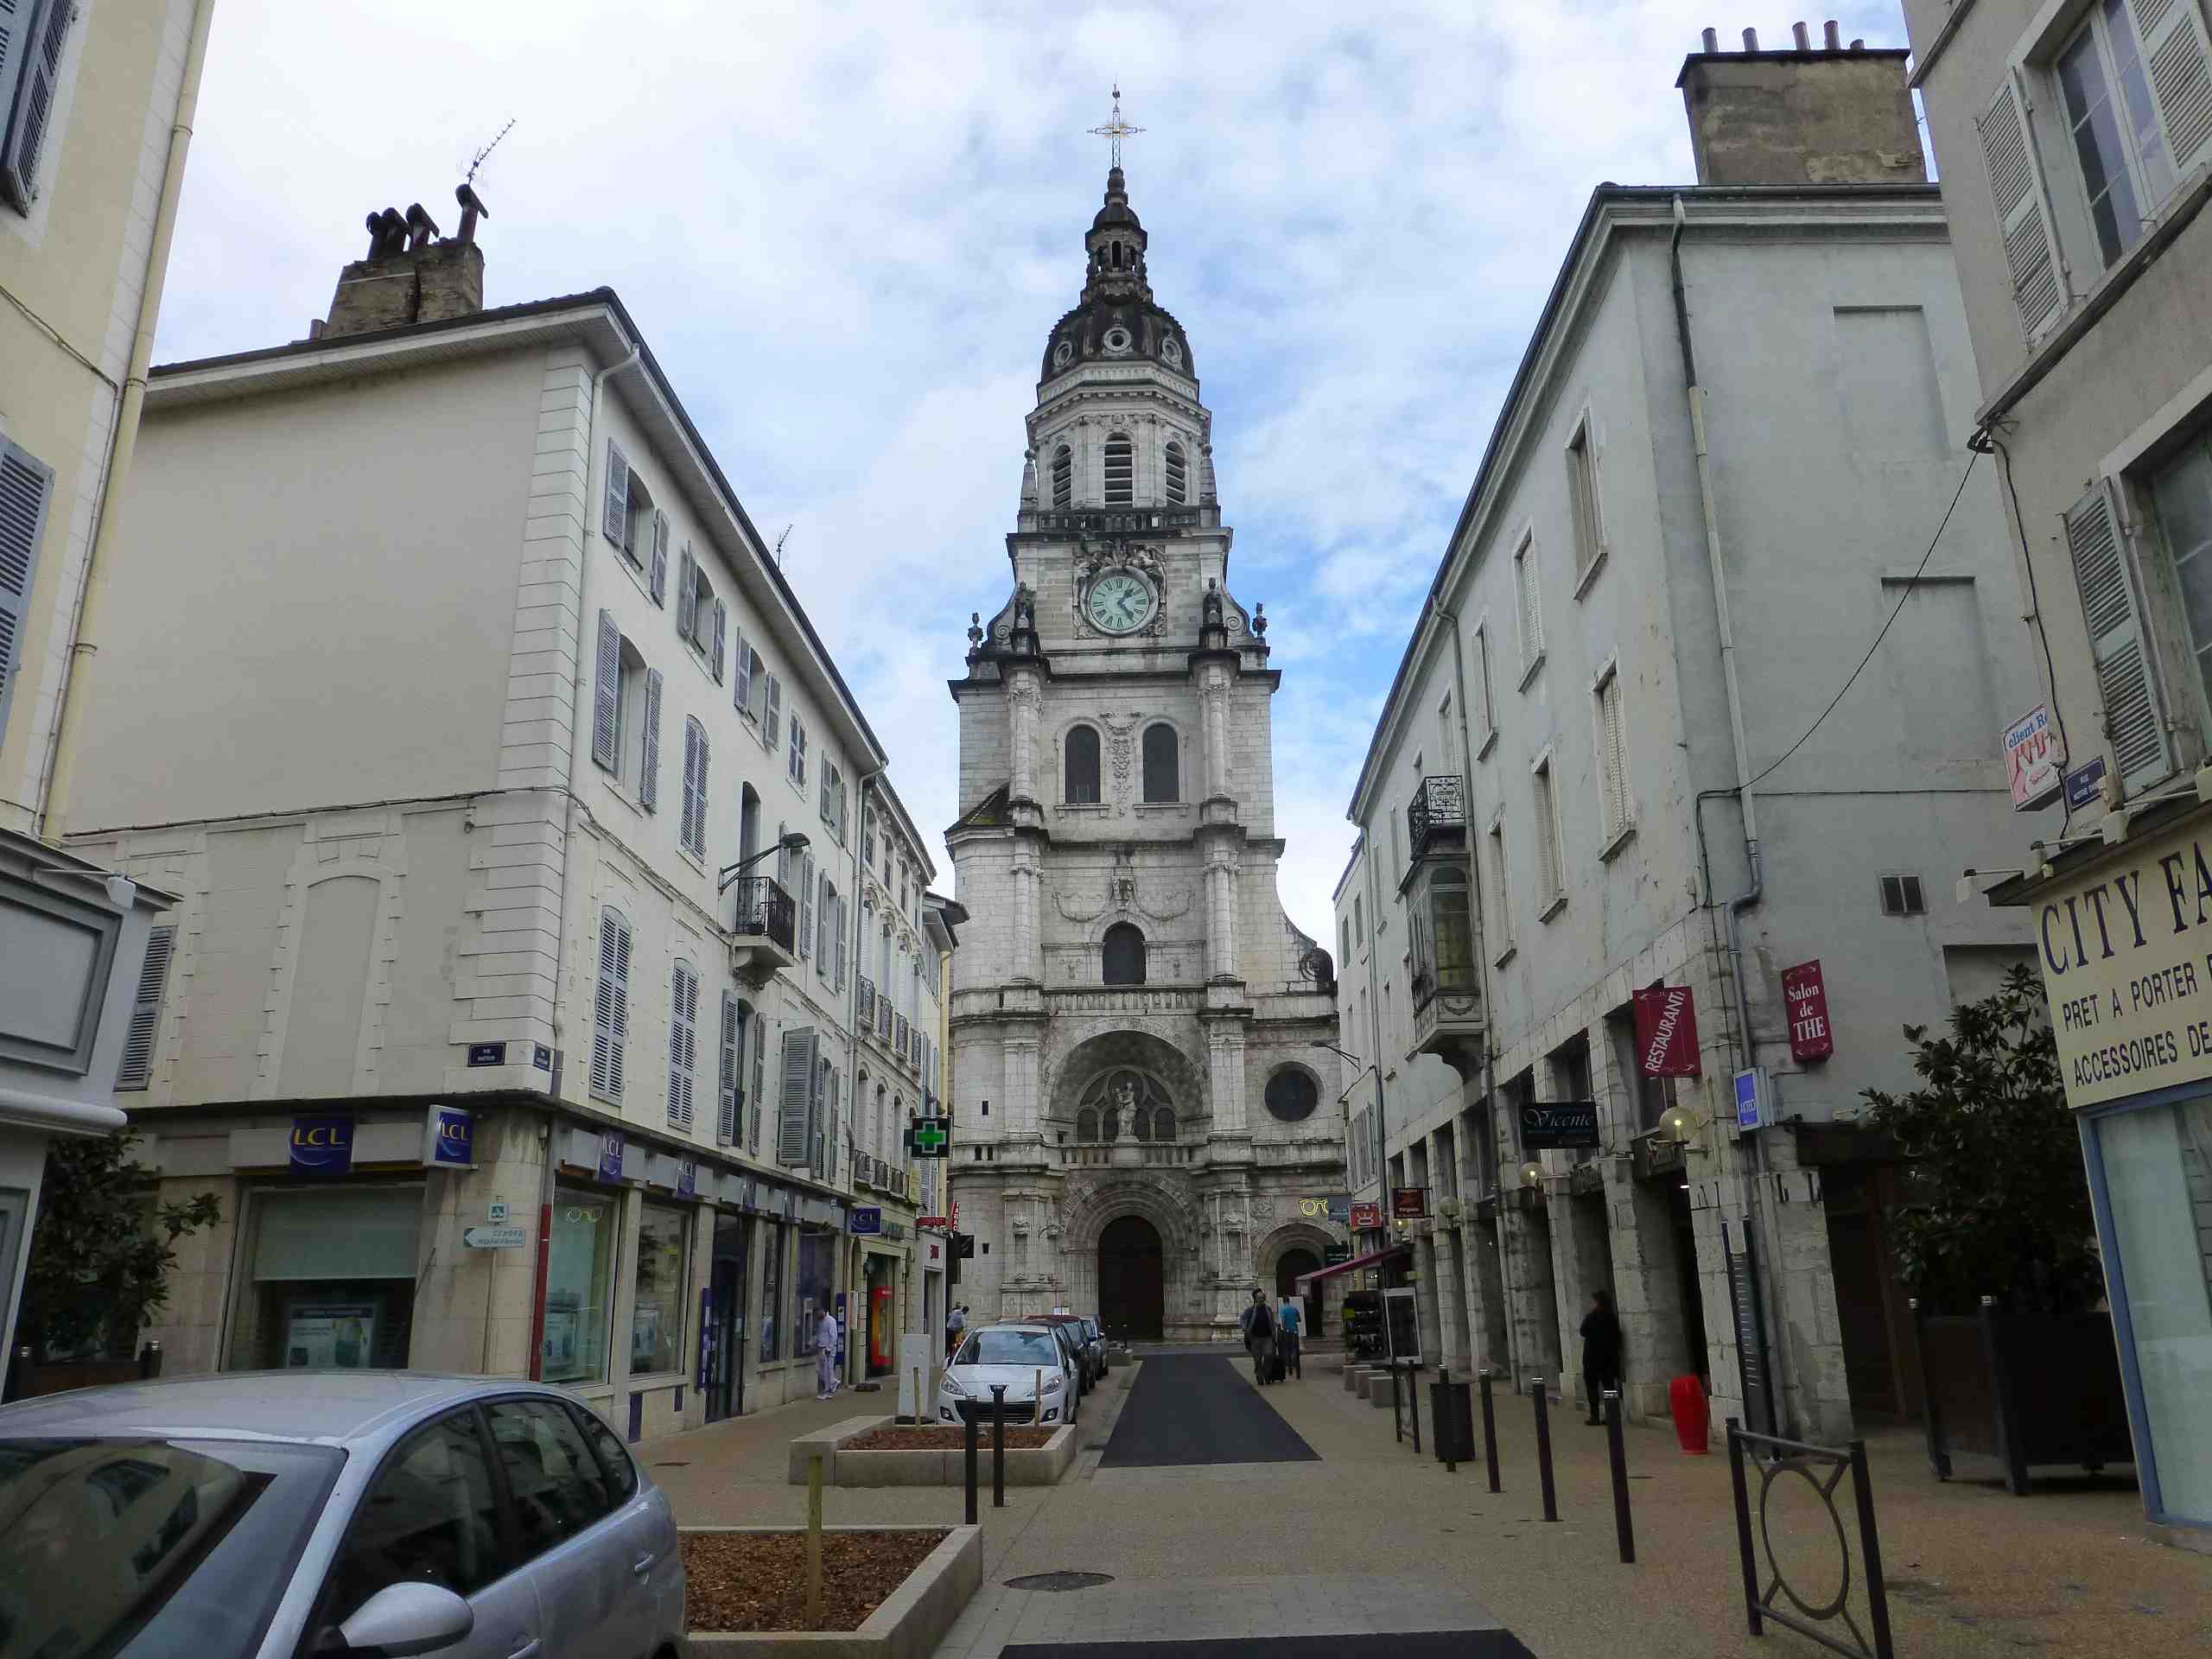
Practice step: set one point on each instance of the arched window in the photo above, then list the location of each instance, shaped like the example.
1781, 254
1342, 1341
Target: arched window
1113, 1122
1161, 781
1086, 1125
1083, 764
1121, 470
1063, 477
1124, 955
1178, 476
1163, 1124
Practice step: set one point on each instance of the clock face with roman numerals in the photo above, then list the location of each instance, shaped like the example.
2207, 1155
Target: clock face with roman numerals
1120, 601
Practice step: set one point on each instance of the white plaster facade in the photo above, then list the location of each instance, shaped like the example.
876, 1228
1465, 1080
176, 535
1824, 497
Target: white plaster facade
1229, 994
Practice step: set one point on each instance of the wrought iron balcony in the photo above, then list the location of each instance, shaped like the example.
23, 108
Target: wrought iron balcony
883, 1018
1438, 811
866, 1012
764, 929
899, 1044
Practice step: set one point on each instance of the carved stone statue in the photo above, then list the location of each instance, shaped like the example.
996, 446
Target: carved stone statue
1213, 604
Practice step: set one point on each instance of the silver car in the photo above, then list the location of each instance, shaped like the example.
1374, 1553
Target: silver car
1020, 1358
306, 1512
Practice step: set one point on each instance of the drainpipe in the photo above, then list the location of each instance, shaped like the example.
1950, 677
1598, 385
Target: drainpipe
854, 1358
68, 730
584, 632
1754, 866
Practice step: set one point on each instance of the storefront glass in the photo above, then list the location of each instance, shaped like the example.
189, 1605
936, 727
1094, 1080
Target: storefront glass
771, 1290
810, 1294
2158, 1173
580, 1284
656, 1319
332, 1272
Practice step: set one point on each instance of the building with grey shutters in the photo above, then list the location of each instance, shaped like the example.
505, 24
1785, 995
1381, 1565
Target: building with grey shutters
2075, 145
1717, 479
550, 968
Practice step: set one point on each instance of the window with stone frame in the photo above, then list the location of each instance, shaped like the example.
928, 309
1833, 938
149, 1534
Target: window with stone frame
1162, 763
1081, 784
1121, 470
1125, 1100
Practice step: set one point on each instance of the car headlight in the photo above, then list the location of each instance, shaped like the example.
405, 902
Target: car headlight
1055, 1382
950, 1385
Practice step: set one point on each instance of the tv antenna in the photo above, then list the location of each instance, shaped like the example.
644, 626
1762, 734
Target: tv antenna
780, 540
476, 159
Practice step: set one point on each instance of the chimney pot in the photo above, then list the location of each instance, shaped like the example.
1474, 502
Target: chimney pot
1831, 36
1802, 36
1750, 40
1711, 39
315, 326
1858, 46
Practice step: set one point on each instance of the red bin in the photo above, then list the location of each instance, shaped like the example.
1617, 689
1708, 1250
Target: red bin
1693, 1415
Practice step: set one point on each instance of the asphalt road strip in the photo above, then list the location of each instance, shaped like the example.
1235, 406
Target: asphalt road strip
1187, 1410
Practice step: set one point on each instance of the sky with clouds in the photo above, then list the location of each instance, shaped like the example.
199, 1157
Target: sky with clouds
846, 230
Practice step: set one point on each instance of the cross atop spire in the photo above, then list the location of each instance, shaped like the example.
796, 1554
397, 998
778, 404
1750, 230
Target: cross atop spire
1116, 129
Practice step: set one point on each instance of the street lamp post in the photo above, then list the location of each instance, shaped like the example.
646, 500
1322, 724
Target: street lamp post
793, 841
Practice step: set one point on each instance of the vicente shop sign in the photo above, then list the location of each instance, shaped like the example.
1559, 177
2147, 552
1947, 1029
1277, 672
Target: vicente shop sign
2127, 956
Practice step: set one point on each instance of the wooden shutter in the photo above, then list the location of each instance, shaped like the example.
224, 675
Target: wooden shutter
795, 1109
720, 637
686, 599
2171, 33
649, 767
844, 910
805, 902
685, 824
137, 1068
610, 1007
25, 485
615, 520
682, 1045
657, 574
699, 816
726, 1075
2117, 644
827, 769
773, 717
40, 74
2030, 252
760, 1095
741, 694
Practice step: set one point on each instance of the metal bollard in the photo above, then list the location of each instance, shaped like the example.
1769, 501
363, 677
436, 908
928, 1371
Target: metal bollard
1413, 1398
1490, 1432
1446, 1447
1397, 1422
998, 1445
1544, 1448
973, 1435
1617, 1453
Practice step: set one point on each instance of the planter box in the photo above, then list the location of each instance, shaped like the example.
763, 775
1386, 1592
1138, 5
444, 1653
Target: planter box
2024, 1389
1040, 1466
911, 1621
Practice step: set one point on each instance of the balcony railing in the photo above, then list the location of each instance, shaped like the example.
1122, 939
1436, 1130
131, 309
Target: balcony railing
763, 910
899, 1044
1117, 521
1440, 805
866, 1011
883, 1018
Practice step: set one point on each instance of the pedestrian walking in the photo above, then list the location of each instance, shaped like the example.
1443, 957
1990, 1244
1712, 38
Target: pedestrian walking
954, 1323
825, 1363
1601, 1352
1292, 1322
1259, 1324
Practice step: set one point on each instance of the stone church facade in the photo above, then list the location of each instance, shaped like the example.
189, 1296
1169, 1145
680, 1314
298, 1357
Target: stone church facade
1145, 1110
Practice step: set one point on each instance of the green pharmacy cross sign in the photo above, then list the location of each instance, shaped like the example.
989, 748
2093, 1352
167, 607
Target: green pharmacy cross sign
930, 1137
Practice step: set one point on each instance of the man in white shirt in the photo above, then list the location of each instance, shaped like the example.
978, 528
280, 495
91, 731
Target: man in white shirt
825, 1358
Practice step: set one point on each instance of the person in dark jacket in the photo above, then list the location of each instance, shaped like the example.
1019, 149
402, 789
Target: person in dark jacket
1259, 1330
1601, 1351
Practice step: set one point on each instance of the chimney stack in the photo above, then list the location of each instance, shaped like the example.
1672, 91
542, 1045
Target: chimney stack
1831, 36
412, 274
1810, 115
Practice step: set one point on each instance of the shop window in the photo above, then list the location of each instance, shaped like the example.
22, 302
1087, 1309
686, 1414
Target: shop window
811, 1294
557, 1486
579, 1285
657, 1317
333, 1279
771, 1290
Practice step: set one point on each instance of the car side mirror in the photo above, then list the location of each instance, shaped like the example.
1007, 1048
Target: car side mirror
402, 1620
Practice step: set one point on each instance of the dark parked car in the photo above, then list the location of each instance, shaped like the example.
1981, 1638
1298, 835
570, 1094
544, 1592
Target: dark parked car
1085, 1337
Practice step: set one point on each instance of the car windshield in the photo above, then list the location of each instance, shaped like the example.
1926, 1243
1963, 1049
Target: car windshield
1009, 1348
146, 1547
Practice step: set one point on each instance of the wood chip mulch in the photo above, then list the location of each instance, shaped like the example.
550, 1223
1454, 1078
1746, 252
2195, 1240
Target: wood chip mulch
924, 1437
757, 1581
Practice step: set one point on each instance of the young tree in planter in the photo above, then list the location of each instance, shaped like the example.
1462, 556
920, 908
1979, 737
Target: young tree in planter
101, 1253
1998, 1204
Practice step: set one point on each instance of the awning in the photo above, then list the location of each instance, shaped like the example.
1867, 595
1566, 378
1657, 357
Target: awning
1306, 1279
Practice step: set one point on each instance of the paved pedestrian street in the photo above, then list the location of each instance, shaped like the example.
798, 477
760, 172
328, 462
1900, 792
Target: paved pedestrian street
1287, 1520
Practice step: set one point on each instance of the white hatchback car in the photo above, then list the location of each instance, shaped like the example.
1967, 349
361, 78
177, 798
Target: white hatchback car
1020, 1356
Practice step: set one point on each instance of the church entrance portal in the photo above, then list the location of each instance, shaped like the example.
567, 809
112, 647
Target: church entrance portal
1292, 1263
1132, 1279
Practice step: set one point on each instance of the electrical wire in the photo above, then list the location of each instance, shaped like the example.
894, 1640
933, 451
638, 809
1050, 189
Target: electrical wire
1986, 437
1972, 454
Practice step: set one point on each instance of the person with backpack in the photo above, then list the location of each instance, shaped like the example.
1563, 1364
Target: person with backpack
1259, 1325
1290, 1321
954, 1323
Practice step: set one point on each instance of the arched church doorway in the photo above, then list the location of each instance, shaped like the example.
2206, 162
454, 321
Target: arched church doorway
1132, 1279
1288, 1266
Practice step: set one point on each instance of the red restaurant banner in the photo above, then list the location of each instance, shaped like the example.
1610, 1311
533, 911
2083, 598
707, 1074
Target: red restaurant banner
1366, 1217
1666, 1031
1811, 1037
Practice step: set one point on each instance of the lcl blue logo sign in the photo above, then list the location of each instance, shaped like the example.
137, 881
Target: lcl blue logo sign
322, 1144
455, 1141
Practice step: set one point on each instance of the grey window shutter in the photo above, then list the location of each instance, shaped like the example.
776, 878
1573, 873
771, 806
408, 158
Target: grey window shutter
2030, 251
15, 18
699, 816
771, 723
2175, 54
795, 1107
691, 782
759, 1100
686, 600
136, 1070
740, 695
844, 930
722, 637
657, 577
610, 1007
682, 1046
25, 484
606, 696
726, 1076
615, 522
805, 902
40, 76
2117, 644
649, 767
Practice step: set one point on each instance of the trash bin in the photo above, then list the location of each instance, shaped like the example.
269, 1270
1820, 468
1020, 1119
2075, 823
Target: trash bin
1452, 1421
